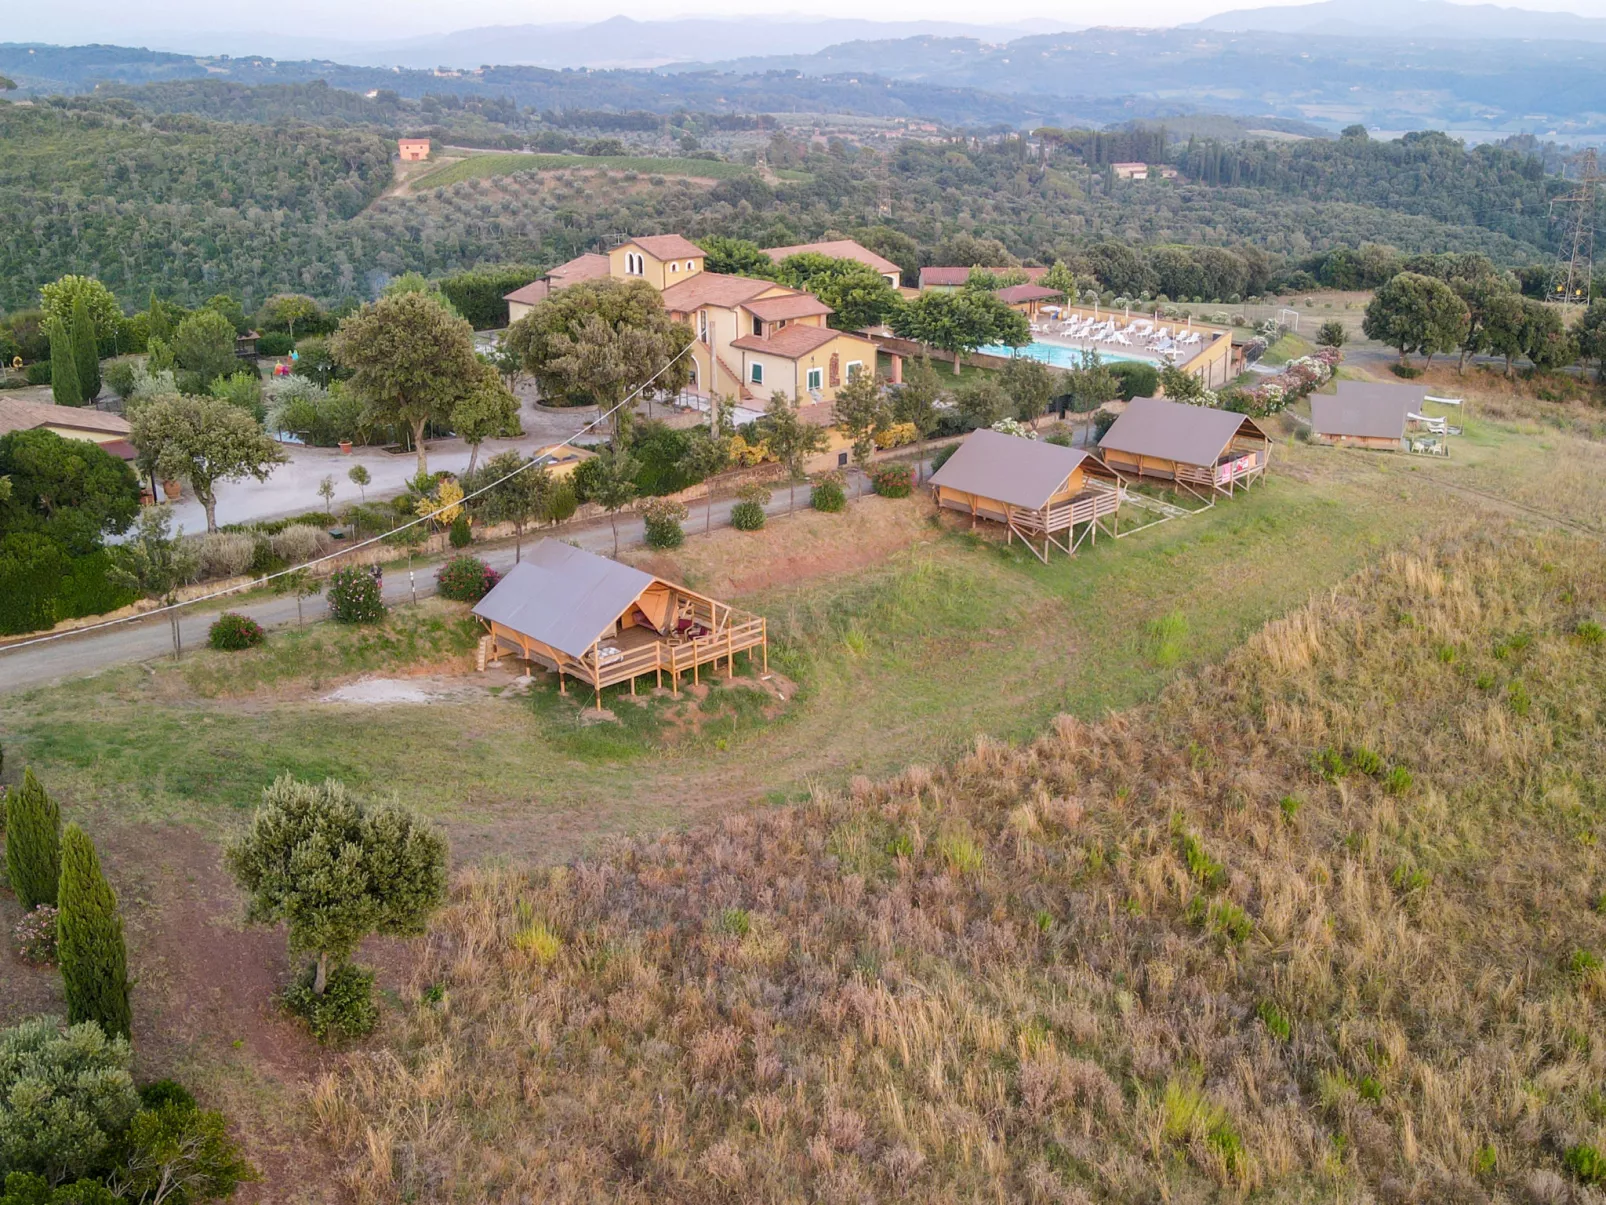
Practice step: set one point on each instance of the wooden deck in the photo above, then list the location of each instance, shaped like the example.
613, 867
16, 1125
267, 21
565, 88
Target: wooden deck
635, 652
1242, 464
1086, 510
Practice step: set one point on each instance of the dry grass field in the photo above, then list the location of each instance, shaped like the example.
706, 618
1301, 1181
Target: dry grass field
1323, 924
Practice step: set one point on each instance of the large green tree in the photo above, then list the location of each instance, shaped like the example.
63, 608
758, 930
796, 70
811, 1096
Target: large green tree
203, 440
203, 347
1416, 313
1031, 385
89, 946
859, 295
613, 485
487, 409
600, 342
1591, 331
960, 322
1494, 316
333, 870
915, 402
70, 490
792, 438
517, 492
1546, 341
409, 360
33, 843
861, 411
58, 298
285, 311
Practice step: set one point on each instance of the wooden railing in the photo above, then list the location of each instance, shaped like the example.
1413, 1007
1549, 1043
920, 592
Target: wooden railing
1091, 504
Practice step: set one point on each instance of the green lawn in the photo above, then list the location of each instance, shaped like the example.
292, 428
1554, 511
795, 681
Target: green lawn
477, 167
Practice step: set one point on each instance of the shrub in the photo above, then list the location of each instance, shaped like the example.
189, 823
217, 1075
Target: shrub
1586, 1164
225, 553
459, 534
466, 579
93, 957
119, 377
231, 631
1332, 334
1589, 632
22, 1189
298, 542
829, 495
354, 596
896, 435
892, 480
36, 936
1135, 379
38, 373
275, 343
1409, 371
662, 518
1276, 1022
176, 1143
747, 516
346, 1009
33, 843
941, 455
69, 1096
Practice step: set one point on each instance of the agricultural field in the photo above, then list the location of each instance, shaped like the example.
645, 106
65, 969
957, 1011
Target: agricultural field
1447, 639
485, 166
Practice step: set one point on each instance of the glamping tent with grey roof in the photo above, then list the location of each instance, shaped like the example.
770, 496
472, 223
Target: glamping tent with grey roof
1039, 491
587, 617
1201, 450
1379, 415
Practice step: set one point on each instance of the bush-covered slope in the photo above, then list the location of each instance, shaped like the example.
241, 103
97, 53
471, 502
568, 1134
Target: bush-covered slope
1321, 924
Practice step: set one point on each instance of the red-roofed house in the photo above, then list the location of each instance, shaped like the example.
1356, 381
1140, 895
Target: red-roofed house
412, 150
581, 267
1028, 298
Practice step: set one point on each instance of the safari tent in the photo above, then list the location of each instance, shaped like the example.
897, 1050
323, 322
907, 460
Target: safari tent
600, 622
1039, 491
1379, 415
1203, 451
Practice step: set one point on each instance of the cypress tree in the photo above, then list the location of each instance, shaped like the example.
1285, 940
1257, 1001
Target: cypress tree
85, 349
63, 367
33, 843
89, 940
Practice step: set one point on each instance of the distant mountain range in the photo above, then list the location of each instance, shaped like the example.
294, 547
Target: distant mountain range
1410, 18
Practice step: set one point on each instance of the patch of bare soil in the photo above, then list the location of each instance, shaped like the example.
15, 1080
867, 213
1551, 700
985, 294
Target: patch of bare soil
792, 548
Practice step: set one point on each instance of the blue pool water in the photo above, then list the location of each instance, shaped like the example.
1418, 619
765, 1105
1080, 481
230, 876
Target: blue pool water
1059, 355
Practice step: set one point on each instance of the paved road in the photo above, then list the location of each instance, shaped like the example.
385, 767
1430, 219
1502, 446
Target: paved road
147, 639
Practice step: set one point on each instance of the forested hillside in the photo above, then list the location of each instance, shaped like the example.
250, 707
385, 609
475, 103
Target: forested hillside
190, 207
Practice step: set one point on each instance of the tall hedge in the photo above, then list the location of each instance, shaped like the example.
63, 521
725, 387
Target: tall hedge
478, 293
86, 350
89, 940
33, 843
64, 389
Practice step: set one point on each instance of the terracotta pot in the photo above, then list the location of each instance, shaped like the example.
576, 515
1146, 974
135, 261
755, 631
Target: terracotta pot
345, 447
172, 489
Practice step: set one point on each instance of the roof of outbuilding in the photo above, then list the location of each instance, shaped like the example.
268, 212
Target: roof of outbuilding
842, 248
563, 596
958, 276
1021, 472
666, 246
1367, 409
1167, 430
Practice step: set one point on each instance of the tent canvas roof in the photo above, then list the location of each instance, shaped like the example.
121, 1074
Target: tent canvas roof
1166, 430
562, 596
1021, 472
1368, 409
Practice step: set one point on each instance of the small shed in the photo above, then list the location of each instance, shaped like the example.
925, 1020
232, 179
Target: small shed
1372, 414
412, 150
1205, 451
1037, 490
587, 617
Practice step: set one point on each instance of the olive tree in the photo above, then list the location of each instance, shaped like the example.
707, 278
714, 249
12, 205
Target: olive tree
203, 440
409, 360
333, 870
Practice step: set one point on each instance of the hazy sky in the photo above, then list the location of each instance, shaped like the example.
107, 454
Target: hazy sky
80, 21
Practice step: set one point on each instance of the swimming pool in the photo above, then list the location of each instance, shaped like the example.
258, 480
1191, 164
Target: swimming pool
1061, 355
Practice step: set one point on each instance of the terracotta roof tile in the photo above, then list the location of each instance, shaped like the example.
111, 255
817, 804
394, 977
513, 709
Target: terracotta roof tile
799, 305
19, 414
789, 342
713, 288
666, 246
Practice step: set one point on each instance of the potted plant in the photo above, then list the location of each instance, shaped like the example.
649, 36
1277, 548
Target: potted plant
172, 489
345, 447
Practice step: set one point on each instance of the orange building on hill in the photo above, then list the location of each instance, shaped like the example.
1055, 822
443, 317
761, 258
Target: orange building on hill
412, 149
